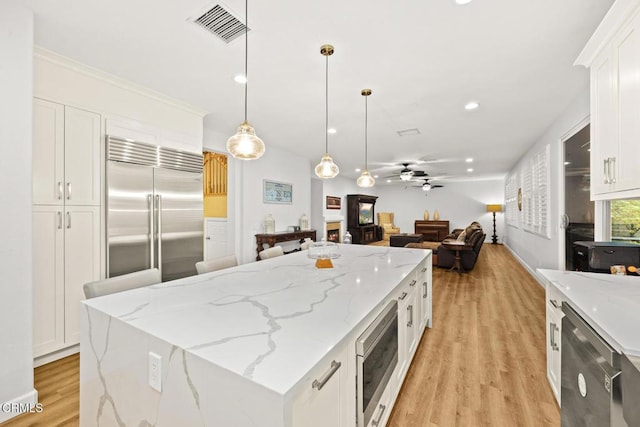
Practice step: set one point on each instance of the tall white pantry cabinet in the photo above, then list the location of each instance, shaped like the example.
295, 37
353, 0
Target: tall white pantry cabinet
66, 219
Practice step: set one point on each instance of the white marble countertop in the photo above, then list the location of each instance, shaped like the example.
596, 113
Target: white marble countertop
270, 321
609, 303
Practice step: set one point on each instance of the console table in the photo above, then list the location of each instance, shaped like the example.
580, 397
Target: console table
283, 236
432, 231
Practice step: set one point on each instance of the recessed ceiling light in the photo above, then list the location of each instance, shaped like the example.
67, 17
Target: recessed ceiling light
358, 169
470, 170
240, 79
567, 163
462, 2
472, 105
375, 176
388, 180
468, 160
331, 131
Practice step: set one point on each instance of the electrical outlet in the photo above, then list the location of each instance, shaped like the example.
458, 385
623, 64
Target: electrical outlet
155, 371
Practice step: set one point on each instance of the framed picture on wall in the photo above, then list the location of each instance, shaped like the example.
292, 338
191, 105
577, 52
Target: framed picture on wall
333, 202
276, 192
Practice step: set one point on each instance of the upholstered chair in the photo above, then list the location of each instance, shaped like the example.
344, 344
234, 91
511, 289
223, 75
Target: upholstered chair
216, 264
121, 283
271, 252
385, 220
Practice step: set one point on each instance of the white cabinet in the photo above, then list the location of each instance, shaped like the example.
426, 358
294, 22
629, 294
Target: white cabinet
66, 255
613, 54
554, 338
324, 397
409, 331
66, 155
66, 220
424, 297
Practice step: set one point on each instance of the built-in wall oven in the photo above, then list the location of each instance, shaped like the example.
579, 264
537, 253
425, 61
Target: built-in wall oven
377, 357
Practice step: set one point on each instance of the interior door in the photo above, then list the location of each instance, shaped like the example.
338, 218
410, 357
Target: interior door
178, 199
129, 217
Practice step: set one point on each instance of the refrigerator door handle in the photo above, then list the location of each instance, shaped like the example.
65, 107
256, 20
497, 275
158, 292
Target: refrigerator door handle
159, 229
151, 230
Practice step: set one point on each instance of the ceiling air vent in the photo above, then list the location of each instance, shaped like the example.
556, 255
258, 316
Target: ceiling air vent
222, 23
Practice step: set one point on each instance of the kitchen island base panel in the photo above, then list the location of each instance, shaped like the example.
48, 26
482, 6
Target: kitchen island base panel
114, 383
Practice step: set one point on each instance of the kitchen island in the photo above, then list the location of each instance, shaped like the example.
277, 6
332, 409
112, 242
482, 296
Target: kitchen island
248, 346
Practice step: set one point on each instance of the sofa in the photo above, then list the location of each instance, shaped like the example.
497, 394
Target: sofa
473, 236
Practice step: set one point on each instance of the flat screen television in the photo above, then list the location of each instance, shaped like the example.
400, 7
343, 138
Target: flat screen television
365, 213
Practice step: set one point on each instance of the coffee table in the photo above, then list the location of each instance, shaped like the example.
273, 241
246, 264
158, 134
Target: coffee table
458, 247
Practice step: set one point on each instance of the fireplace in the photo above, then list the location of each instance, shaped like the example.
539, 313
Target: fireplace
333, 231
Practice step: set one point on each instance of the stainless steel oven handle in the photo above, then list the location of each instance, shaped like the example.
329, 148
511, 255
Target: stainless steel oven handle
318, 384
377, 420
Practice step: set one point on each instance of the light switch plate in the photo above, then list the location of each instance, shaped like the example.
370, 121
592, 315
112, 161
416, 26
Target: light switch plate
155, 371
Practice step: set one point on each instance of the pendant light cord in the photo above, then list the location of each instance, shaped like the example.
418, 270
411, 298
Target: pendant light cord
326, 106
366, 115
246, 54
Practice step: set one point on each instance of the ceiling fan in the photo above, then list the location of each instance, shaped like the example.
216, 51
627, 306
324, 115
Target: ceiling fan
407, 174
427, 186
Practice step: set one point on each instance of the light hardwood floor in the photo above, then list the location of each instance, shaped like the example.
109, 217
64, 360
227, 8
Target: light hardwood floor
482, 363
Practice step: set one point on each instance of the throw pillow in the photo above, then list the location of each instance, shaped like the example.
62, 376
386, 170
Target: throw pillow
462, 236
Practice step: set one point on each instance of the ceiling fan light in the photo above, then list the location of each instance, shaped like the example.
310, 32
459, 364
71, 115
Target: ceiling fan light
406, 175
326, 169
245, 144
426, 186
365, 180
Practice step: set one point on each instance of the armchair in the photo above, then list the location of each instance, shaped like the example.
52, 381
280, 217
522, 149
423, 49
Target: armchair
385, 220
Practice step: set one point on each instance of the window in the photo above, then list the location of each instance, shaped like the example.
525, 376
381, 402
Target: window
625, 220
535, 193
511, 200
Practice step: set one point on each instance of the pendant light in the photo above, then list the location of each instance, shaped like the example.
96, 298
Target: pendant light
365, 179
326, 168
245, 144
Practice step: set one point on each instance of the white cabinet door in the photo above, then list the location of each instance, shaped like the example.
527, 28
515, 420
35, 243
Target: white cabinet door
604, 141
215, 238
81, 262
554, 340
424, 294
82, 157
626, 166
48, 153
323, 401
407, 325
48, 279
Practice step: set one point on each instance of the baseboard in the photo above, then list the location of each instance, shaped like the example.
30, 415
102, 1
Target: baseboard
526, 266
26, 403
56, 355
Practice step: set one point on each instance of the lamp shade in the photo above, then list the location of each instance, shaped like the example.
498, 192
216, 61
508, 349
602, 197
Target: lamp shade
494, 208
245, 144
327, 169
366, 180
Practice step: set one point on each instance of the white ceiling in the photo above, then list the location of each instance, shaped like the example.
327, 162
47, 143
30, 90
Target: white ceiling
423, 59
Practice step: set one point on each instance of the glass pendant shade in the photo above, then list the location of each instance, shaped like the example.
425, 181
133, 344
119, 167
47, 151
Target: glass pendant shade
245, 144
426, 186
326, 168
365, 180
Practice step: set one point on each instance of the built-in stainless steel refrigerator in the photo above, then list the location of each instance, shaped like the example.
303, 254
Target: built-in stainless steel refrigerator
154, 209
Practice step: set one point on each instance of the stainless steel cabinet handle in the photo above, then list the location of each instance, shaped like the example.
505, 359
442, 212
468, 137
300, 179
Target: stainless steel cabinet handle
613, 170
554, 303
551, 335
59, 190
423, 269
606, 175
59, 220
410, 310
413, 283
377, 420
425, 290
68, 191
208, 238
318, 384
68, 220
556, 347
403, 296
151, 230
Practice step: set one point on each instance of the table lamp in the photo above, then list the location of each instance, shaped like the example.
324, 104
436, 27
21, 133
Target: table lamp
494, 209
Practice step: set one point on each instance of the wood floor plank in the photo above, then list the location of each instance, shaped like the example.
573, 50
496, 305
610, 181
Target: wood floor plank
482, 364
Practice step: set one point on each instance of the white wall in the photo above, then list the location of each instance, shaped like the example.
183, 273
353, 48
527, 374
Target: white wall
275, 165
16, 346
460, 202
337, 187
534, 250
